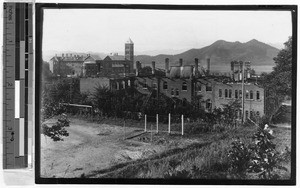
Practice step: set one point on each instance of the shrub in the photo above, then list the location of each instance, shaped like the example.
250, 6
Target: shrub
57, 131
259, 157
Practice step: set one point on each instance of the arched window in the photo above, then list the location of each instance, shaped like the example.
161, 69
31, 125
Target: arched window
184, 86
208, 104
177, 92
128, 83
198, 86
240, 94
230, 93
165, 85
251, 94
145, 85
251, 114
226, 93
257, 95
257, 114
236, 94
123, 84
220, 93
247, 94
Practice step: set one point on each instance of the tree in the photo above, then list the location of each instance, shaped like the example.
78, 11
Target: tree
278, 84
279, 81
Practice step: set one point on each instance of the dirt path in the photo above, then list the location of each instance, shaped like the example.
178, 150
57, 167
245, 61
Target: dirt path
90, 147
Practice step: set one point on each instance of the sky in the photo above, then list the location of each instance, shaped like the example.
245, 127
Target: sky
106, 31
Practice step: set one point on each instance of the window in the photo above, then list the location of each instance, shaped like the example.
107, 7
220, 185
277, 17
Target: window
154, 85
230, 93
236, 94
257, 114
247, 114
172, 91
226, 93
123, 84
120, 85
198, 87
165, 85
208, 104
177, 92
145, 84
251, 94
208, 87
247, 94
240, 94
128, 83
257, 95
220, 93
184, 86
251, 114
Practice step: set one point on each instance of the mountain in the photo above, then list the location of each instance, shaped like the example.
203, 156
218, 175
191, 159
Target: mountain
221, 53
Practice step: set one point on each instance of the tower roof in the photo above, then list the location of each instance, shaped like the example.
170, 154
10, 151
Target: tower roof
129, 41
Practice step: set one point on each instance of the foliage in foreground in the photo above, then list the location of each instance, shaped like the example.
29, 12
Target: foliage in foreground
57, 131
260, 157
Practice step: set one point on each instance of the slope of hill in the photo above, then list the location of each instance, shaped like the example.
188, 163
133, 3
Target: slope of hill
221, 53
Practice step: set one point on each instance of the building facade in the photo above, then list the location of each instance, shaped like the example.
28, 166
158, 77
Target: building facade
111, 66
187, 83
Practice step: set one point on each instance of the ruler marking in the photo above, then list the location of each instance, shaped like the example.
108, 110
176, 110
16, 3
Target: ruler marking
17, 35
21, 137
17, 99
22, 59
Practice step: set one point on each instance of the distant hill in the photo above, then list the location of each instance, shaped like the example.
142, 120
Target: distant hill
221, 53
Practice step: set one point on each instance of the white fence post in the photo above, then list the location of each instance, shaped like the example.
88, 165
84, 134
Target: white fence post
145, 123
156, 123
169, 130
182, 124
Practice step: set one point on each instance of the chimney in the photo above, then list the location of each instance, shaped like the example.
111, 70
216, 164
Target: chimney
196, 67
167, 65
208, 66
180, 63
153, 67
241, 71
232, 69
137, 68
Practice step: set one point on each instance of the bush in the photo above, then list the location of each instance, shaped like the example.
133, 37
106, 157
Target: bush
57, 131
259, 157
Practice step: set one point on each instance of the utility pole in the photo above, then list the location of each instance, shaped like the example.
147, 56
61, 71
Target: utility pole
243, 88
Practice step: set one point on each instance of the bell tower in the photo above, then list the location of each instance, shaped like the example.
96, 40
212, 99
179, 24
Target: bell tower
129, 51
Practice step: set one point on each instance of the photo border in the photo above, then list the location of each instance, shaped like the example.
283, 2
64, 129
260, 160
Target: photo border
39, 7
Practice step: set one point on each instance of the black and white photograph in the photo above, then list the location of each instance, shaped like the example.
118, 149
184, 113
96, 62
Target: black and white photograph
166, 93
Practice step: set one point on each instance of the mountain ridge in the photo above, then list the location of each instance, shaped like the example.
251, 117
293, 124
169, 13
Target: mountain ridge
221, 53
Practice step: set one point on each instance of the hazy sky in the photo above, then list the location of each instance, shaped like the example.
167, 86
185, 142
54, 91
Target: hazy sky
102, 30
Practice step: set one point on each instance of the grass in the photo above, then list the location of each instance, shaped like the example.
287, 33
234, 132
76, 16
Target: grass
210, 156
205, 160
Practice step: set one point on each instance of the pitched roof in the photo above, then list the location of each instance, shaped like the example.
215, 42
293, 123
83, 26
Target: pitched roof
114, 58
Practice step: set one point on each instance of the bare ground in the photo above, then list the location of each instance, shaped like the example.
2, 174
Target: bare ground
92, 147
